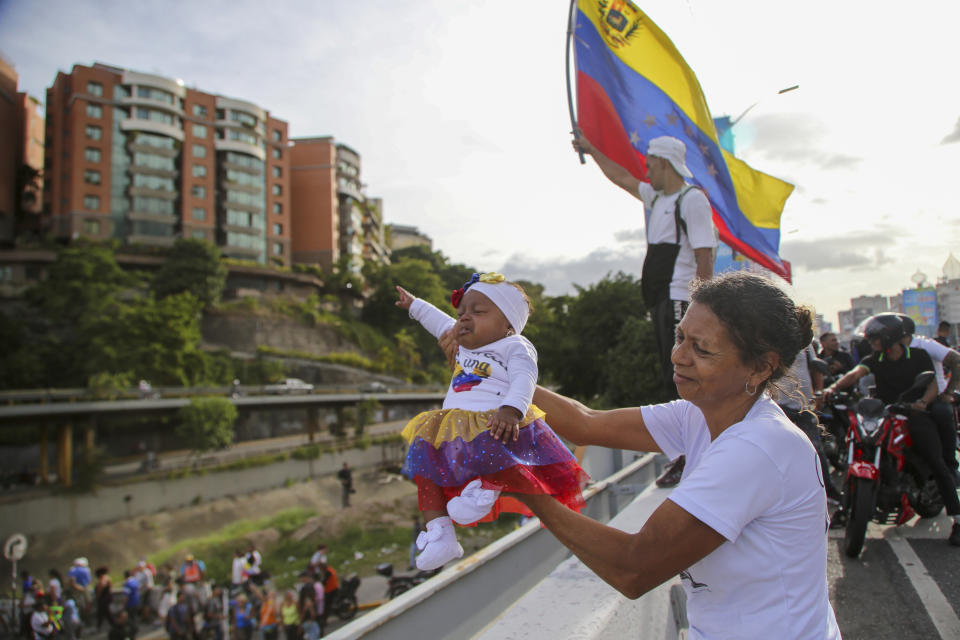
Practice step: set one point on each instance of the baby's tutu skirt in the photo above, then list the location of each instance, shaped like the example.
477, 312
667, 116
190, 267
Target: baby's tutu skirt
450, 447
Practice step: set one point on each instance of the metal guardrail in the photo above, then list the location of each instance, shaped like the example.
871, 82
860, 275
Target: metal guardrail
463, 599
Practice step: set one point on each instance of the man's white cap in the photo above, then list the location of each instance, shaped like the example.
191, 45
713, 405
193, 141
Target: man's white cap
671, 150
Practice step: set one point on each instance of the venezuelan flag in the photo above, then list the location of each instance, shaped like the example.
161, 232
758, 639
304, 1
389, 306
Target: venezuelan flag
633, 85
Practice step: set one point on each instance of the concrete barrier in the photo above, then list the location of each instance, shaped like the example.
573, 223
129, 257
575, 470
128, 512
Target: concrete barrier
474, 595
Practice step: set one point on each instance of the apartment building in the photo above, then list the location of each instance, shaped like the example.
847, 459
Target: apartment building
144, 159
332, 216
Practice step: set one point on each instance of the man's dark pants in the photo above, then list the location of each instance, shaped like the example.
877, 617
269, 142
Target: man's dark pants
666, 316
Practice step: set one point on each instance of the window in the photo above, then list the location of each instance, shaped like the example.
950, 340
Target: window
155, 94
95, 88
278, 248
245, 161
120, 91
277, 153
91, 203
199, 213
91, 227
94, 110
200, 110
198, 234
154, 116
199, 131
277, 207
198, 191
153, 182
277, 229
92, 154
94, 132
277, 172
242, 136
199, 151
145, 204
199, 171
277, 135
238, 218
277, 190
243, 118
91, 176
153, 140
239, 177
154, 162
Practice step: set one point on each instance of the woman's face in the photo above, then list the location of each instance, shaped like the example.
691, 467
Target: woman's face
706, 365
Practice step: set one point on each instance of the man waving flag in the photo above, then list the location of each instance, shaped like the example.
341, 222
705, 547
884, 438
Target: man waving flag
633, 86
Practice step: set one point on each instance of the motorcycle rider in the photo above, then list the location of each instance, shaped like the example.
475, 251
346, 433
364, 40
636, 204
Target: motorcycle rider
895, 367
941, 409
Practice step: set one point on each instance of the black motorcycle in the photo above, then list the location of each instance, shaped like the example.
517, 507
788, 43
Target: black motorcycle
344, 601
404, 582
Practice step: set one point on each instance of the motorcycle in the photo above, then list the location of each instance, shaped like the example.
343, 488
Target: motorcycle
344, 602
397, 584
885, 480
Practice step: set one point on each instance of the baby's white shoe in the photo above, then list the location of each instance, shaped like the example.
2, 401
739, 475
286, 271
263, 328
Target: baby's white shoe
439, 545
473, 503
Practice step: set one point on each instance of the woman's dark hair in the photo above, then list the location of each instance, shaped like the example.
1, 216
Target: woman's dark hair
759, 317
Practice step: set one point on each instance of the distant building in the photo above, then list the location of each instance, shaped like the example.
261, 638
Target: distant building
821, 326
144, 159
845, 325
865, 306
333, 217
403, 236
21, 155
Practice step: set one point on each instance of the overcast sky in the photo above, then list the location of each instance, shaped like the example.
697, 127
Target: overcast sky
459, 112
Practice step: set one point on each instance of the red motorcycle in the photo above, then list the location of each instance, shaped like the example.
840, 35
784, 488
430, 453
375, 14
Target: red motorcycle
885, 480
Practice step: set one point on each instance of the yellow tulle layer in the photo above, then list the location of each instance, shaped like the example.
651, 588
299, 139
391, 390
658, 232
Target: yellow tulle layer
445, 425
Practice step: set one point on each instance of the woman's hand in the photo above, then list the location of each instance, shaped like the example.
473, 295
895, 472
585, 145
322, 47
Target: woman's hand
448, 343
406, 298
504, 425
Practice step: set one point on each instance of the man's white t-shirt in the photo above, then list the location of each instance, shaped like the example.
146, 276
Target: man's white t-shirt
661, 227
937, 353
759, 485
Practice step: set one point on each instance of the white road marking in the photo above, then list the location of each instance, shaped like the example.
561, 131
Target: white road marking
941, 613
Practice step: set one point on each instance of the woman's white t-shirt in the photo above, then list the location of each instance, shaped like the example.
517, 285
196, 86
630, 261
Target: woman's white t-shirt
759, 485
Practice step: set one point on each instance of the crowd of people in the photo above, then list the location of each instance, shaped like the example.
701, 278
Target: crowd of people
181, 598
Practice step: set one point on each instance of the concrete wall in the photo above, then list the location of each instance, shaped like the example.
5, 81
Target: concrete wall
69, 511
245, 333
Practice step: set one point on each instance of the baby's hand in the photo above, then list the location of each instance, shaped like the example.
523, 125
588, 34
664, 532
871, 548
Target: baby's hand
504, 425
406, 298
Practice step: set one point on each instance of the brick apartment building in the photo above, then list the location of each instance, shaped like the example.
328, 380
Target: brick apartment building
144, 159
21, 145
331, 214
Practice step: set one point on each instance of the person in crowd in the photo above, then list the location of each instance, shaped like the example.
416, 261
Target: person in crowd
746, 526
345, 475
55, 587
179, 619
238, 569
290, 615
131, 589
103, 595
72, 626
943, 334
681, 240
310, 627
254, 569
488, 437
122, 627
319, 557
895, 367
193, 574
243, 617
795, 401
270, 615
41, 627
213, 614
837, 359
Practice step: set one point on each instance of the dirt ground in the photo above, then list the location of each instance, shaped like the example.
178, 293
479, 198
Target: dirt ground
380, 498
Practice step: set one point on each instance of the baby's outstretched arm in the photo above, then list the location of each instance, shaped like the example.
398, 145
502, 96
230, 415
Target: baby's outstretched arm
504, 425
406, 298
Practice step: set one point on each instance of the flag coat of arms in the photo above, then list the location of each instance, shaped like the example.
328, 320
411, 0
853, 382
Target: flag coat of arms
633, 85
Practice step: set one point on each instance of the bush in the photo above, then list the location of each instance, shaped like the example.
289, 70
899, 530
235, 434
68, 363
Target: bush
207, 423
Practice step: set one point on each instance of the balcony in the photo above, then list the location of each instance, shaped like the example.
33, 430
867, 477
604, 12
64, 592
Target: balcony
136, 124
153, 193
136, 101
239, 147
145, 216
241, 252
157, 151
151, 80
156, 241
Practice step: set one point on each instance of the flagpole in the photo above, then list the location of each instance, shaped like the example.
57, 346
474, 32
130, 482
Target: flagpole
573, 118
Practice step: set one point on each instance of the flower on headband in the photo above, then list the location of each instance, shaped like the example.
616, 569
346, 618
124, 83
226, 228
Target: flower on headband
492, 278
457, 294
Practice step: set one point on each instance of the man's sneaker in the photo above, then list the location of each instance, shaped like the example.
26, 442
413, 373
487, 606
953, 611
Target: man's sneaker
671, 476
954, 538
439, 545
473, 503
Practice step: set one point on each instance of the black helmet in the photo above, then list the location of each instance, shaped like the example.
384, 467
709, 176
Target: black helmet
909, 326
887, 327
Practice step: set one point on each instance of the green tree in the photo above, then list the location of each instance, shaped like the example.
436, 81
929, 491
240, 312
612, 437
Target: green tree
632, 373
192, 266
451, 275
207, 423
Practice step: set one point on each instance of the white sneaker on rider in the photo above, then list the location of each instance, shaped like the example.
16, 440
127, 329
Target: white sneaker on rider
473, 503
439, 545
